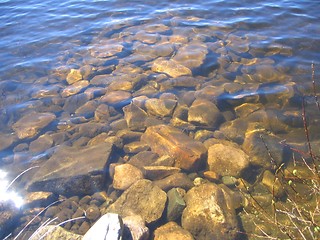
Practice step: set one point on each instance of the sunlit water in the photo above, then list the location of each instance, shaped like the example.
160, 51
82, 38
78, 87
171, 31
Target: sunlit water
39, 37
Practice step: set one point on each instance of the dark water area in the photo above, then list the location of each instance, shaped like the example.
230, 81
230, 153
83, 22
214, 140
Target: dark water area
75, 73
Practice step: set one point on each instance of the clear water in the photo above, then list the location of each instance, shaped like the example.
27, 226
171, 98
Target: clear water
39, 37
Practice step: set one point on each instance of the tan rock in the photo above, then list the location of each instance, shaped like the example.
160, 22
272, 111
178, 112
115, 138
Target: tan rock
172, 230
116, 97
166, 140
170, 67
74, 76
74, 88
159, 172
125, 175
160, 107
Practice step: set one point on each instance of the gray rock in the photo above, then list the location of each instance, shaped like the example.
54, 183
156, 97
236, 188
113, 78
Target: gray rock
125, 175
74, 88
159, 172
209, 213
41, 144
73, 171
176, 204
180, 180
72, 103
135, 147
166, 140
204, 112
227, 160
117, 98
160, 107
51, 232
145, 158
137, 228
109, 226
135, 117
30, 125
6, 140
170, 67
142, 198
9, 215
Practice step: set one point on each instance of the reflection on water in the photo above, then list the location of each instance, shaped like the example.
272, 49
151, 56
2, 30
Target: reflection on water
85, 85
8, 194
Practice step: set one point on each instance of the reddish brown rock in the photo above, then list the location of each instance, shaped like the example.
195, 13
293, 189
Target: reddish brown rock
166, 140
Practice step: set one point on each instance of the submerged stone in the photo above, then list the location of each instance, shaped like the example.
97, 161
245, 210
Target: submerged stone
160, 107
142, 198
172, 230
125, 175
73, 170
30, 125
166, 140
170, 67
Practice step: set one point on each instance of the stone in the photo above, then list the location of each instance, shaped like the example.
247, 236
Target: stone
166, 140
125, 175
227, 160
170, 67
137, 228
209, 213
180, 180
172, 230
204, 112
164, 160
73, 170
87, 110
31, 124
117, 98
135, 117
41, 144
92, 213
135, 147
258, 143
9, 215
74, 88
159, 172
145, 158
102, 113
160, 107
109, 226
39, 199
176, 204
54, 232
74, 76
273, 184
73, 102
142, 198
6, 140
106, 48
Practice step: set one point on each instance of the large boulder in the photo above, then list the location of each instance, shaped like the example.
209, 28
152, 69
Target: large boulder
210, 214
166, 140
73, 170
142, 198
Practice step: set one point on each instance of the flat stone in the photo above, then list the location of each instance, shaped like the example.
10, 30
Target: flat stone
204, 112
170, 67
39, 199
9, 215
106, 48
109, 226
53, 232
172, 230
117, 98
135, 117
6, 140
142, 198
30, 125
135, 147
41, 144
166, 140
209, 213
160, 107
159, 172
87, 110
145, 158
73, 170
227, 160
74, 88
177, 180
73, 102
125, 175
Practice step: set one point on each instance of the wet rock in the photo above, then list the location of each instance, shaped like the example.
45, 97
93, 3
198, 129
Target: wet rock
137, 228
73, 171
109, 226
135, 117
72, 103
74, 76
192, 55
176, 204
172, 230
246, 109
142, 198
41, 144
159, 172
227, 160
258, 143
180, 180
39, 199
92, 213
128, 136
106, 48
273, 184
53, 232
31, 124
136, 147
87, 110
170, 67
209, 213
125, 175
204, 112
117, 98
74, 88
102, 113
164, 160
235, 130
166, 140
8, 217
145, 158
160, 107
6, 140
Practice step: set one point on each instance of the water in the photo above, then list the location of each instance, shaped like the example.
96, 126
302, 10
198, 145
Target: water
257, 52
